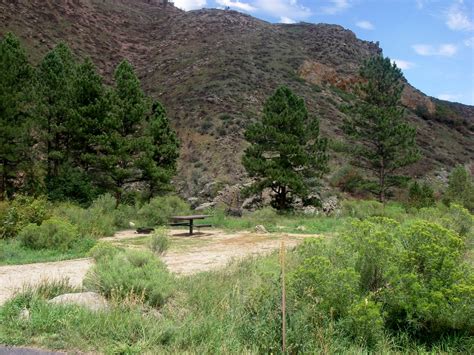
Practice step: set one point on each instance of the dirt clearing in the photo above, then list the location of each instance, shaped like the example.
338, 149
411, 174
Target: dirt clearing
187, 255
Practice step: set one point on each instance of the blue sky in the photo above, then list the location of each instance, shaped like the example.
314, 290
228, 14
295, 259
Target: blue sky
432, 41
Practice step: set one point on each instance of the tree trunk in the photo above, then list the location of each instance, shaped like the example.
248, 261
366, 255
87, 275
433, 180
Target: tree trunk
3, 184
281, 197
382, 183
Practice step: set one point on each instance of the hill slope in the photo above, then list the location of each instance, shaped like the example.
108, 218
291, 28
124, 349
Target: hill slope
213, 70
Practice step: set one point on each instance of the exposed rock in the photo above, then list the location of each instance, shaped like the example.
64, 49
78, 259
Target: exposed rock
205, 206
234, 212
90, 300
310, 211
260, 229
229, 196
321, 74
330, 205
25, 314
209, 191
193, 202
301, 228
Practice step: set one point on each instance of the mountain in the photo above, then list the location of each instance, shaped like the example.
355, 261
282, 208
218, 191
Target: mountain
213, 69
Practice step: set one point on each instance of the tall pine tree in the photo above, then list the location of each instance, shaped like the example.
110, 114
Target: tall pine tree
16, 117
383, 142
134, 149
286, 152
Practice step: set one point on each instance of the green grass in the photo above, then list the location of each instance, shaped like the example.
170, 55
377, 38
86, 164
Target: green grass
208, 313
277, 223
13, 253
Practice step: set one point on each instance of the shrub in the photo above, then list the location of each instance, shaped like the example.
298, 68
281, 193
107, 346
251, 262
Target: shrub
414, 271
429, 283
160, 209
96, 221
365, 323
53, 233
420, 195
131, 273
460, 188
20, 212
361, 208
103, 250
347, 179
454, 217
160, 241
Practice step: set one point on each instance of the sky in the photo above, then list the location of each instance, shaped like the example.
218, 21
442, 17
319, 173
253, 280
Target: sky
432, 41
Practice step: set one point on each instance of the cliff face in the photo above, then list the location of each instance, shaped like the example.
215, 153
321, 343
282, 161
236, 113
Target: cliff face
213, 69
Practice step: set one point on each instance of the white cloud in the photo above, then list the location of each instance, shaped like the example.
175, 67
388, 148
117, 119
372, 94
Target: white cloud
444, 50
190, 4
457, 17
469, 42
449, 97
366, 25
282, 8
285, 19
403, 64
420, 4
237, 5
335, 7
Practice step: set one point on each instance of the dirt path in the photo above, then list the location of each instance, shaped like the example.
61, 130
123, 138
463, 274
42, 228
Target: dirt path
14, 277
188, 255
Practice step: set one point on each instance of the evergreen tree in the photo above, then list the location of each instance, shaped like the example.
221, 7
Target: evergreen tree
86, 122
17, 165
159, 165
420, 195
56, 74
286, 153
383, 141
130, 148
460, 188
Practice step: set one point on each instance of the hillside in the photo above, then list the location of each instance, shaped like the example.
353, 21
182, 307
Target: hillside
213, 70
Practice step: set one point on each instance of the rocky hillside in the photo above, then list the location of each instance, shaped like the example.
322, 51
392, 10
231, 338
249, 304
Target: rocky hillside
213, 70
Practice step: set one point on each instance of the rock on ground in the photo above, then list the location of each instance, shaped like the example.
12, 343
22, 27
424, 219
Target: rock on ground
90, 300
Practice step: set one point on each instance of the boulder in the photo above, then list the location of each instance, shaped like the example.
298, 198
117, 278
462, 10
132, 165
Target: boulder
205, 206
90, 300
260, 229
233, 212
330, 205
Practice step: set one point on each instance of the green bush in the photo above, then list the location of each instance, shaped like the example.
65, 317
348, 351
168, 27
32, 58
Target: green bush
454, 217
53, 233
415, 271
420, 195
131, 273
159, 242
460, 188
347, 179
365, 323
158, 211
20, 212
103, 250
429, 283
361, 208
96, 221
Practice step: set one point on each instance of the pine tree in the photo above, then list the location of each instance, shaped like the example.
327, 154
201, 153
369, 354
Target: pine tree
16, 114
286, 153
383, 141
56, 74
159, 165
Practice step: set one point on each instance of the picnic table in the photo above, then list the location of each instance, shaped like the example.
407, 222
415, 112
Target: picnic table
189, 221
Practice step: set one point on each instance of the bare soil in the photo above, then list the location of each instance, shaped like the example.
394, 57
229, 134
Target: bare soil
188, 255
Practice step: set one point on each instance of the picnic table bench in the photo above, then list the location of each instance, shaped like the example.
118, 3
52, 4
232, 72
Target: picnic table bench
188, 221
